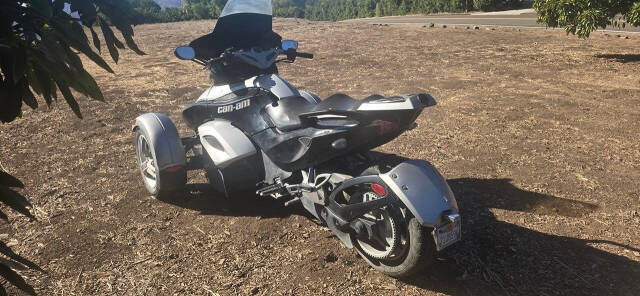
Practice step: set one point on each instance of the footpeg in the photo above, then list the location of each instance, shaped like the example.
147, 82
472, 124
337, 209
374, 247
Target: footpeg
293, 201
274, 188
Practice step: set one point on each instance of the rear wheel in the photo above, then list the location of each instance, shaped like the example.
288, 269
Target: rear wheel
158, 183
413, 252
399, 246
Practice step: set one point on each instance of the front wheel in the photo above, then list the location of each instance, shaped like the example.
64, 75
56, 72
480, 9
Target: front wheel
159, 183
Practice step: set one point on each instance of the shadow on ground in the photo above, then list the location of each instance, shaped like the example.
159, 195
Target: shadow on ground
500, 258
621, 58
495, 257
202, 198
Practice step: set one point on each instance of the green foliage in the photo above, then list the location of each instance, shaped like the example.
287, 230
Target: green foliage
348, 9
289, 8
17, 202
39, 46
486, 5
38, 40
582, 17
494, 5
150, 12
320, 9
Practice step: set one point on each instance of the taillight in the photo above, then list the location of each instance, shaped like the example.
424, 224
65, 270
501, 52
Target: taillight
174, 168
385, 127
378, 189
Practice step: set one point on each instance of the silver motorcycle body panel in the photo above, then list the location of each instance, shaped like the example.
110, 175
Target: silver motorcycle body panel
408, 103
405, 105
423, 190
163, 137
310, 97
224, 143
271, 82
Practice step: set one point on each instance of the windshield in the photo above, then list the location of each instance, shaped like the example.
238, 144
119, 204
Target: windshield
243, 24
247, 6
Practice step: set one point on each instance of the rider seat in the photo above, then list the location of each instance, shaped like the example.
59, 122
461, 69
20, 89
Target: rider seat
285, 116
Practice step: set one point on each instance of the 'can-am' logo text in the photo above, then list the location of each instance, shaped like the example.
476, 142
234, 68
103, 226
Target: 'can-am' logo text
234, 107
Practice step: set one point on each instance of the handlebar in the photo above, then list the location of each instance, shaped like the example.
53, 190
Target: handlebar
229, 53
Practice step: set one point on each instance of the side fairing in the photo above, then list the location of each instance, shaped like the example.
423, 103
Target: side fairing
224, 143
243, 111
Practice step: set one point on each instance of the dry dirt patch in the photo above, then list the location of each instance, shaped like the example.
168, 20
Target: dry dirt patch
537, 133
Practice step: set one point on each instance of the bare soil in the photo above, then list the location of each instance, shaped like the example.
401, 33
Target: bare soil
537, 133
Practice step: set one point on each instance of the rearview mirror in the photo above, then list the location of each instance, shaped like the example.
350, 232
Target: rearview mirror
185, 53
289, 44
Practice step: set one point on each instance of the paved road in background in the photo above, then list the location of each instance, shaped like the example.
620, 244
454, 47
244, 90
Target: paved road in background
502, 20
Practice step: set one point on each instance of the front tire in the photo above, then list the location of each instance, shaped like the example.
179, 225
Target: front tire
159, 183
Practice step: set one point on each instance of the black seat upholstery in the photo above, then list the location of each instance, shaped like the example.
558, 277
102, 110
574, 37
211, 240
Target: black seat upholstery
339, 102
286, 115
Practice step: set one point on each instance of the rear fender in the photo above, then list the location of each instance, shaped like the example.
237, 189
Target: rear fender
423, 191
163, 137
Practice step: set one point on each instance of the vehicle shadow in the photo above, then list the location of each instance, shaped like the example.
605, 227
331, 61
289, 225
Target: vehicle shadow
621, 58
500, 258
201, 197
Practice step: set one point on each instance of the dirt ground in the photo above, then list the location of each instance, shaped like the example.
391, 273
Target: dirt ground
537, 133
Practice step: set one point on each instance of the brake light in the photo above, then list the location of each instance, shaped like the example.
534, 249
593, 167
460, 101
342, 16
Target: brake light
386, 126
174, 168
378, 189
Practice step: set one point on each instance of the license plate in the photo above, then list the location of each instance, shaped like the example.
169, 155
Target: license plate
447, 234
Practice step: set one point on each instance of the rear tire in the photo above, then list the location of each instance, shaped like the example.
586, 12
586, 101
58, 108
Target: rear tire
158, 183
419, 254
418, 249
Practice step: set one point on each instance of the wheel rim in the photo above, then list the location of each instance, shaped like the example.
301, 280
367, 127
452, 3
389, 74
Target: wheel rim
384, 238
146, 163
387, 237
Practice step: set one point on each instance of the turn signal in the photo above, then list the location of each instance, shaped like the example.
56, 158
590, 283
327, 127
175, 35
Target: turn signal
378, 189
